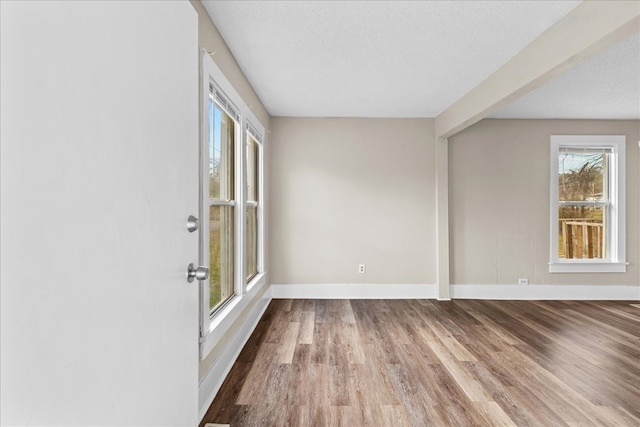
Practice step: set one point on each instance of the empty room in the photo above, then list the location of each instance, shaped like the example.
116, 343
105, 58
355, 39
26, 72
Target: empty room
320, 213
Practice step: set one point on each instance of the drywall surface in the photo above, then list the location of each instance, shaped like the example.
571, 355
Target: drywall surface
499, 201
348, 191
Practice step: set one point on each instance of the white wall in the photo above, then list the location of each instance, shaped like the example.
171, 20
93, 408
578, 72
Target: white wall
499, 201
99, 163
351, 191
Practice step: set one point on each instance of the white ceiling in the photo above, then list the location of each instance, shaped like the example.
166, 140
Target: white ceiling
411, 58
606, 86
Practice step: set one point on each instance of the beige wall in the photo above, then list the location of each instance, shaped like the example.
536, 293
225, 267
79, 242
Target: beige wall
351, 191
499, 201
210, 39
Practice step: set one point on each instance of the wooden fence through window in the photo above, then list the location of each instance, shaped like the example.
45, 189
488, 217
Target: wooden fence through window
582, 238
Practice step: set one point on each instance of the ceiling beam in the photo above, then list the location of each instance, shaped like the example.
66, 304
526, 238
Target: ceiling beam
590, 28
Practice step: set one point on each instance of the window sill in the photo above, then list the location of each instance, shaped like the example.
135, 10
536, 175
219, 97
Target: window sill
224, 319
258, 278
587, 267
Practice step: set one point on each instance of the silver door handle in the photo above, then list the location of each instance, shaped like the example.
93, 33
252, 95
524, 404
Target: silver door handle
200, 273
193, 223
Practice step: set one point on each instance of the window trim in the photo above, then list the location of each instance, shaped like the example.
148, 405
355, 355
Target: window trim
615, 261
214, 325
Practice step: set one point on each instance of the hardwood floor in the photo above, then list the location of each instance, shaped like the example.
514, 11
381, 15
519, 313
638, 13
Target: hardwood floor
430, 363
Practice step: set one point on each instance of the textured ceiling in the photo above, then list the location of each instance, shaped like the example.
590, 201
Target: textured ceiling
606, 86
388, 58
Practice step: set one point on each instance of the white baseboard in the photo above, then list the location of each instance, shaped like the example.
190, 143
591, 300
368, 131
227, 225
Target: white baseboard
213, 380
354, 291
547, 292
506, 292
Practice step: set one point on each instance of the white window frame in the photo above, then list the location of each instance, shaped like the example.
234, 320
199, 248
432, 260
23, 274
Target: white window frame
258, 136
615, 244
214, 326
222, 101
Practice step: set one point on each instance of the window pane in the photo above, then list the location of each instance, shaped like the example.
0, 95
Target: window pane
581, 232
221, 157
581, 175
252, 169
252, 242
221, 233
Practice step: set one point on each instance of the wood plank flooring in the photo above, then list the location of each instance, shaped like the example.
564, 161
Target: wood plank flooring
429, 363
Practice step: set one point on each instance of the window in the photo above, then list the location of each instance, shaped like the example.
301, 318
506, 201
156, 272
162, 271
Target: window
587, 204
230, 194
252, 191
221, 196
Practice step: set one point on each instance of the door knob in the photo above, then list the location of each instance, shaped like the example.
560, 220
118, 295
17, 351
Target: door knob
200, 273
193, 223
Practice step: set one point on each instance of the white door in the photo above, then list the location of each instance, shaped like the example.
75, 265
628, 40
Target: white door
99, 161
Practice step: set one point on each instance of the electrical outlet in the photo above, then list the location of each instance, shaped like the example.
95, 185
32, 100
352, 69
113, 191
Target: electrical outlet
523, 281
361, 268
